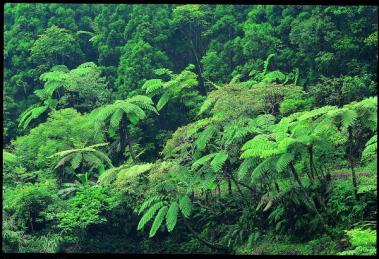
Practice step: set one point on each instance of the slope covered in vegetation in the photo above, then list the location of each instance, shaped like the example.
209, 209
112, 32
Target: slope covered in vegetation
190, 129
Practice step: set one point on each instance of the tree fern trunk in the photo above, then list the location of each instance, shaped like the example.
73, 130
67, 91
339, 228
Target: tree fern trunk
352, 164
311, 163
297, 178
131, 150
125, 139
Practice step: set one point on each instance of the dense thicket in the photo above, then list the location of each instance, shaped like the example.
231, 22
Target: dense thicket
190, 128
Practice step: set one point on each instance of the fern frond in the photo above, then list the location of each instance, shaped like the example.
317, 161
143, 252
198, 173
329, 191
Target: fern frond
260, 146
204, 137
152, 86
206, 105
128, 174
130, 108
185, 206
172, 216
91, 159
284, 161
348, 118
31, 115
201, 161
163, 100
371, 147
116, 118
76, 160
263, 167
149, 214
158, 221
218, 161
246, 165
148, 202
63, 160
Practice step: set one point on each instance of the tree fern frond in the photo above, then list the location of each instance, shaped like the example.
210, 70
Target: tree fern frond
218, 161
76, 160
158, 221
131, 108
172, 216
263, 167
149, 214
370, 147
185, 206
116, 118
204, 137
201, 161
9, 157
63, 160
102, 156
148, 202
152, 86
284, 161
91, 159
246, 165
163, 100
348, 118
206, 105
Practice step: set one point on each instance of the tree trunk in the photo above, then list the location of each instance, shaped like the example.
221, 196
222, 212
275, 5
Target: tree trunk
352, 164
125, 139
297, 178
311, 165
199, 68
277, 187
131, 150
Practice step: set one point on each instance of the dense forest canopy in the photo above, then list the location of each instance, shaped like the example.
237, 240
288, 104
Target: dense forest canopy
234, 129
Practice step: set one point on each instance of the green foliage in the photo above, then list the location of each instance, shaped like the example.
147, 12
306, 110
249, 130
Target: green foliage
60, 132
56, 46
185, 206
28, 203
86, 208
172, 216
364, 241
264, 143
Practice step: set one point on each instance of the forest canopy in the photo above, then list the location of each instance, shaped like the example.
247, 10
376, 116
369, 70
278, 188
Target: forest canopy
167, 128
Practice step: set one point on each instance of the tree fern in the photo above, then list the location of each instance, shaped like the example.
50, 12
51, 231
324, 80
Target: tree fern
172, 216
149, 214
158, 221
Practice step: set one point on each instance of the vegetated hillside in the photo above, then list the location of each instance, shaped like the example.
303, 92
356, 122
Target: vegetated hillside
190, 129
